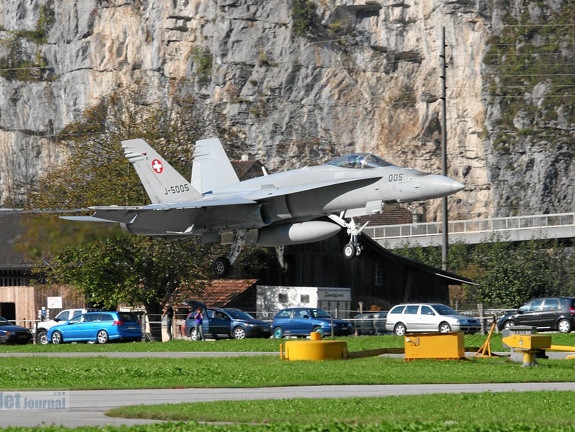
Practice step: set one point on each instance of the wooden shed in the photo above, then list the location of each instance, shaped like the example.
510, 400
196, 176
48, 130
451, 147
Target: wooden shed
376, 276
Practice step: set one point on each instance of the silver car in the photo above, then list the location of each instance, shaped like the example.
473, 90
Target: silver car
428, 317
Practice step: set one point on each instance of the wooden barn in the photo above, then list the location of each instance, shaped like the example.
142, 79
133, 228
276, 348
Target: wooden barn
20, 297
377, 277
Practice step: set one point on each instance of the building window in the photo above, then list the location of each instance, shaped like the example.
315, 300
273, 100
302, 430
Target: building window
282, 298
13, 278
304, 298
378, 274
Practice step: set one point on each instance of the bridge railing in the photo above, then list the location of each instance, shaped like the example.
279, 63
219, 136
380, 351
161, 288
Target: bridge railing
472, 226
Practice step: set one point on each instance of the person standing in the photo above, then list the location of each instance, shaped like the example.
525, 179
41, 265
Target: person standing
168, 314
199, 317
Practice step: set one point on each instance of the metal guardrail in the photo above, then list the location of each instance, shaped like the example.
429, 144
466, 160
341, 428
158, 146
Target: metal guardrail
550, 225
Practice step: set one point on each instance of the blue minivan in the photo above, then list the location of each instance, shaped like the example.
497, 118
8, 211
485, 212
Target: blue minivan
99, 327
302, 321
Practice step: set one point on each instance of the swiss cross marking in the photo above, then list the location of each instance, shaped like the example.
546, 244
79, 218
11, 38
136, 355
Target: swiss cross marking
157, 166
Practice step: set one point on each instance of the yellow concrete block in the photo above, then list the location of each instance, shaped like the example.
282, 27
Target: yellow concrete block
528, 341
434, 346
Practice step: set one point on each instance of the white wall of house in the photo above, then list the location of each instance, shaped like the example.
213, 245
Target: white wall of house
271, 299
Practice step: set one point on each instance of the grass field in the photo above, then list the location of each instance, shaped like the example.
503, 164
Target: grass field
541, 411
255, 345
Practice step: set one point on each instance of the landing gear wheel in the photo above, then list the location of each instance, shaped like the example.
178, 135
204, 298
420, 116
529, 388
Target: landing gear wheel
222, 267
349, 251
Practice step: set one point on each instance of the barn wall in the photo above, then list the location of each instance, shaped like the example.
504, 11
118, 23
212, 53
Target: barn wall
323, 264
27, 300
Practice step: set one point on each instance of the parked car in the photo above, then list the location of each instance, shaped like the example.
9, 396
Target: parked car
65, 315
548, 313
428, 317
228, 322
370, 323
11, 333
303, 321
100, 327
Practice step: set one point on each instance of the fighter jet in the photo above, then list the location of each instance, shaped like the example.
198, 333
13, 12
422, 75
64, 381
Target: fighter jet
272, 210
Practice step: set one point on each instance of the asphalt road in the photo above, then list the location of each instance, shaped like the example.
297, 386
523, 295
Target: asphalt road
87, 408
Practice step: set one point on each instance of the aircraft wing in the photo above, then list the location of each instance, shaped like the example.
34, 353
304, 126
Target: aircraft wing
271, 191
181, 215
85, 219
125, 214
208, 201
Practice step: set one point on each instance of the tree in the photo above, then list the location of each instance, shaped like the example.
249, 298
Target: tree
96, 171
109, 267
508, 273
132, 270
517, 272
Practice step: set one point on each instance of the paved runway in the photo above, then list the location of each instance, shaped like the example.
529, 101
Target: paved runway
87, 408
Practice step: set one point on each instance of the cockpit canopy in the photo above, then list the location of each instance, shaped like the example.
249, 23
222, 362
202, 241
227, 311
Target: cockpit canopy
360, 161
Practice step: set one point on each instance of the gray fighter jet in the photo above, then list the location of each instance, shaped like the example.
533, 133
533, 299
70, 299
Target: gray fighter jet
272, 210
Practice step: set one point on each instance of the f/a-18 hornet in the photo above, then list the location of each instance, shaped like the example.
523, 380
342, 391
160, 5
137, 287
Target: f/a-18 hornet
273, 210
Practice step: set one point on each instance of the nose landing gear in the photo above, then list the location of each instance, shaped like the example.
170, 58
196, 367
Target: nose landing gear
354, 247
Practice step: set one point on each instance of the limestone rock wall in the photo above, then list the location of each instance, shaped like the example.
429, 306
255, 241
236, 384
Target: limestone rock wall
354, 75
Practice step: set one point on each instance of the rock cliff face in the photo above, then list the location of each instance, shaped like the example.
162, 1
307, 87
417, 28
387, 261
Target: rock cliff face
298, 82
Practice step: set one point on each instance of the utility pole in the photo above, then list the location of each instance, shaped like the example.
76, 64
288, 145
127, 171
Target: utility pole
444, 226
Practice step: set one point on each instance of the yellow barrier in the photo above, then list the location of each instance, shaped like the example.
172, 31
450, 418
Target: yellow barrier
529, 345
448, 346
314, 349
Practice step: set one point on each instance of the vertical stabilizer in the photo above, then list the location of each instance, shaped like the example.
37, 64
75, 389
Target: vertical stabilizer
161, 181
211, 168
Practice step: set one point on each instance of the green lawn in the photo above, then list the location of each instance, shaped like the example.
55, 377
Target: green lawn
255, 345
541, 411
438, 409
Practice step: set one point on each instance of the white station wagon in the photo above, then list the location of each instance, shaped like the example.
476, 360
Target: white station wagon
428, 317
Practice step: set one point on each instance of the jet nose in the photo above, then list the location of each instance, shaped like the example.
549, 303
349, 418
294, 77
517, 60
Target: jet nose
437, 185
457, 186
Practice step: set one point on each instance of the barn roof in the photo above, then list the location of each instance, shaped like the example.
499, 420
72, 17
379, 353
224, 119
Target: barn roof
452, 278
219, 293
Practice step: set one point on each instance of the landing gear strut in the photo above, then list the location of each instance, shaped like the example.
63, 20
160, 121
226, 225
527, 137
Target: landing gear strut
222, 266
280, 253
354, 247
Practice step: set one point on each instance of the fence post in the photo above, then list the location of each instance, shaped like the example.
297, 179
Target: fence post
481, 317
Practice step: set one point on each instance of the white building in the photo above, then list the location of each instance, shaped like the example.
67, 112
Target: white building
270, 299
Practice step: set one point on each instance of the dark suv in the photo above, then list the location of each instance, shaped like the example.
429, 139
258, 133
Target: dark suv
228, 322
549, 313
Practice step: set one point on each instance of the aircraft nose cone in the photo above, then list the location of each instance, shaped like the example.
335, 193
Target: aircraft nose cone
435, 186
457, 186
